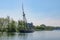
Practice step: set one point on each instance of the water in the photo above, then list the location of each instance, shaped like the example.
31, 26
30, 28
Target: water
37, 35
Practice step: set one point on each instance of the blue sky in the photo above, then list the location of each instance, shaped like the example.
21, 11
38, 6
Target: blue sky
37, 11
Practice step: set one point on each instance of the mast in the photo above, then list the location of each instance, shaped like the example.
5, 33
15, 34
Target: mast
24, 18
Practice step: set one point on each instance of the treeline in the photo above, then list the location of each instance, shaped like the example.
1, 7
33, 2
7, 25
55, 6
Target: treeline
10, 25
44, 27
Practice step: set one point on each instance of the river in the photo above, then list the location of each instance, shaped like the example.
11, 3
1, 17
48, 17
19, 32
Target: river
37, 35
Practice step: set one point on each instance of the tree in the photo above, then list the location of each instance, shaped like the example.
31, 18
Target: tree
12, 26
43, 27
20, 25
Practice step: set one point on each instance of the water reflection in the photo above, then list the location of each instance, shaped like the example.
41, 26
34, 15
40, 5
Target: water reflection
10, 34
38, 35
23, 36
7, 34
1, 34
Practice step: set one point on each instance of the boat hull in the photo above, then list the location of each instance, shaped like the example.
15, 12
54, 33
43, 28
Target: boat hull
26, 31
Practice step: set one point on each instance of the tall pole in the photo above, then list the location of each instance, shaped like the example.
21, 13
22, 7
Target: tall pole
24, 19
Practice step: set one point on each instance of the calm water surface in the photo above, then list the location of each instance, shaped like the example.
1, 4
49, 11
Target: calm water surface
37, 35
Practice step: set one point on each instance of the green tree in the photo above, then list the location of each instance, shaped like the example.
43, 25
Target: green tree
12, 26
43, 27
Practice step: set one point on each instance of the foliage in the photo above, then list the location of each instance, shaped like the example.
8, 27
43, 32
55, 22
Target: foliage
44, 27
10, 25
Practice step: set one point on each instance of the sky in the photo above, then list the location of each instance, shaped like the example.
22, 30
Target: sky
37, 11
